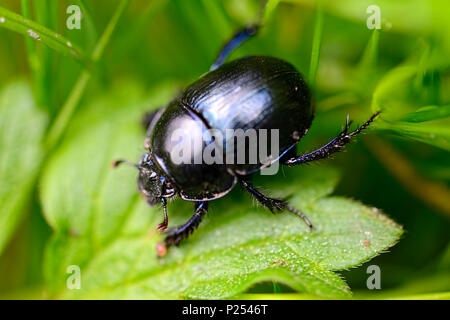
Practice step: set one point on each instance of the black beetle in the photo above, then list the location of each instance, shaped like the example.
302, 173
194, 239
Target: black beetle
256, 92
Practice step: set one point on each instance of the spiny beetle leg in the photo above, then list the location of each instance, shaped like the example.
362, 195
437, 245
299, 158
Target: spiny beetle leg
331, 147
176, 234
272, 204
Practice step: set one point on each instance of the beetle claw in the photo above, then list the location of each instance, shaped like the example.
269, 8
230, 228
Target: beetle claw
162, 226
173, 237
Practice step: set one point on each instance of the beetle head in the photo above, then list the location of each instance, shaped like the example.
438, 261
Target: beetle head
152, 183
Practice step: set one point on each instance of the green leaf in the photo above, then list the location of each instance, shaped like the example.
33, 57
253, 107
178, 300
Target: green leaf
428, 113
29, 28
22, 127
104, 227
428, 124
436, 134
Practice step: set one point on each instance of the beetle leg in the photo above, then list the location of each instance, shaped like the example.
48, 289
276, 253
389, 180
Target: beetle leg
238, 39
163, 226
176, 234
331, 147
271, 203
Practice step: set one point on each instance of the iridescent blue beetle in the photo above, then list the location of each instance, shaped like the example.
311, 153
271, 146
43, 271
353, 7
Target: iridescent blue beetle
258, 92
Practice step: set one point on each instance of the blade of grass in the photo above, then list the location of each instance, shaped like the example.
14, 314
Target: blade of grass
269, 10
428, 113
63, 118
46, 13
29, 28
33, 58
370, 55
91, 30
317, 40
365, 73
435, 134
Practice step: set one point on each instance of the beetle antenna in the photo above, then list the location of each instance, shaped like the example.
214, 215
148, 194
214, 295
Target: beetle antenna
118, 162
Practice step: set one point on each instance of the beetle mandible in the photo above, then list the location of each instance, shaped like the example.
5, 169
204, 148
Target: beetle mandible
256, 92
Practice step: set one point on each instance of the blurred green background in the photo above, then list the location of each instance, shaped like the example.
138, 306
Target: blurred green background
402, 166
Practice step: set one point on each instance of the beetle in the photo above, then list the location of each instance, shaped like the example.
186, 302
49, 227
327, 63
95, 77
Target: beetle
255, 92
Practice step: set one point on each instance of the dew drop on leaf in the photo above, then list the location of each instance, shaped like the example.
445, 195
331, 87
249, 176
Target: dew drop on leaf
33, 34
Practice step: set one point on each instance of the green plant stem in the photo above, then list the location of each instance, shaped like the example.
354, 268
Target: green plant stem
269, 10
370, 56
317, 40
63, 118
36, 31
91, 31
46, 13
33, 59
